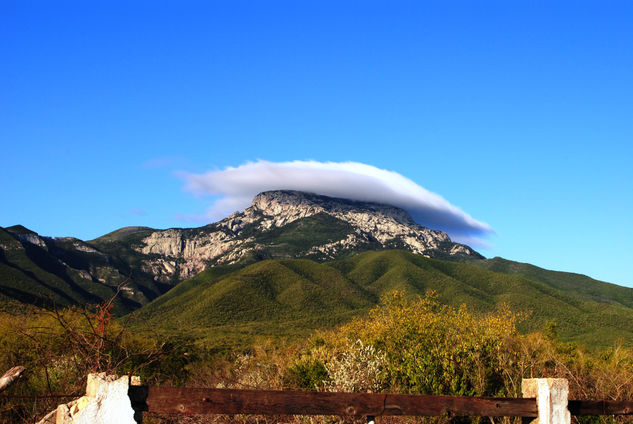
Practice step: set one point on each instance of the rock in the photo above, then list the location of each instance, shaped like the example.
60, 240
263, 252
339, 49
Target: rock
192, 250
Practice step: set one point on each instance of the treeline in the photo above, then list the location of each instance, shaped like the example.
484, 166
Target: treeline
402, 346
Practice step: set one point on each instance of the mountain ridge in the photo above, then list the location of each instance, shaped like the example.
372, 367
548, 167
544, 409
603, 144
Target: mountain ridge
278, 224
242, 234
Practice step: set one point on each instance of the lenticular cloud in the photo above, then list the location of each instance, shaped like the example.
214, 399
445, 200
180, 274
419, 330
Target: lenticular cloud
237, 186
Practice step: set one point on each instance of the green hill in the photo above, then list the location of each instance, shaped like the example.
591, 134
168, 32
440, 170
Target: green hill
576, 285
294, 296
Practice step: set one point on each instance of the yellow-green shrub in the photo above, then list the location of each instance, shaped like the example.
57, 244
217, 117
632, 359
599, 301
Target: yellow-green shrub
425, 347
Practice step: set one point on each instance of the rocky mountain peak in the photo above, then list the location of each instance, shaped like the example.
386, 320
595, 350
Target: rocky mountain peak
286, 224
290, 202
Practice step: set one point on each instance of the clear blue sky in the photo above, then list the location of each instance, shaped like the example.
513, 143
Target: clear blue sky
520, 113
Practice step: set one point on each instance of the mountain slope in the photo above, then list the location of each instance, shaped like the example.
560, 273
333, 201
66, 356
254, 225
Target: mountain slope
292, 297
290, 263
65, 271
576, 285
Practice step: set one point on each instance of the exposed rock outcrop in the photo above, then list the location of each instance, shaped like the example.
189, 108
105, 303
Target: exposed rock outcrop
225, 242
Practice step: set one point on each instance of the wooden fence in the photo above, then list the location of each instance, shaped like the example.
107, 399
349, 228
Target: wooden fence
113, 399
182, 400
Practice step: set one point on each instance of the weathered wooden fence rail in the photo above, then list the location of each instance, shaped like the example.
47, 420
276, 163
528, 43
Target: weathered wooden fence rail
599, 407
182, 400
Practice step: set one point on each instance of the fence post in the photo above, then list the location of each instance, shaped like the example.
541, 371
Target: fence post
551, 398
106, 402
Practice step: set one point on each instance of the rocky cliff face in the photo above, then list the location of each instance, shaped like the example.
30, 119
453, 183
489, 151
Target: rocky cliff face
369, 225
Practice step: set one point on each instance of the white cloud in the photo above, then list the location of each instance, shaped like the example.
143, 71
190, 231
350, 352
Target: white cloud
236, 187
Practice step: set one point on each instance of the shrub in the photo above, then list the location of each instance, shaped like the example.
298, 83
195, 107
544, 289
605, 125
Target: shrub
360, 368
422, 346
307, 374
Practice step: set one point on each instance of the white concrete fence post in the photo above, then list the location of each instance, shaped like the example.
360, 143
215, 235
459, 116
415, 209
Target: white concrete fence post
551, 397
106, 402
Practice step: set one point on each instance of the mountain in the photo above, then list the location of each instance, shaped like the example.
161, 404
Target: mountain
292, 262
292, 224
278, 224
292, 297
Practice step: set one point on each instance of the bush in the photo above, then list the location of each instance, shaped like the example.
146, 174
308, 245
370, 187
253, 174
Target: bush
306, 374
359, 368
422, 346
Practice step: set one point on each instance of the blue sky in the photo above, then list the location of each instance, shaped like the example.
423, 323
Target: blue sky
519, 113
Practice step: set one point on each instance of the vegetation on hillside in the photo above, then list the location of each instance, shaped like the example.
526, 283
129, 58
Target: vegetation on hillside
360, 323
576, 285
292, 297
403, 345
422, 346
